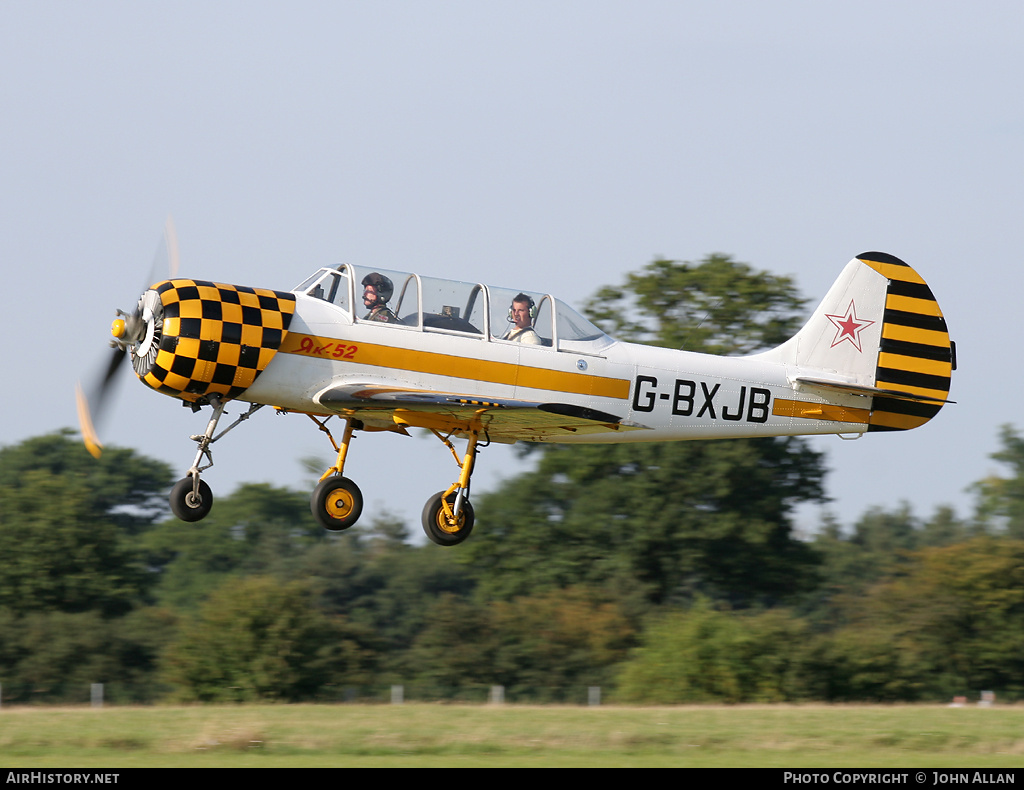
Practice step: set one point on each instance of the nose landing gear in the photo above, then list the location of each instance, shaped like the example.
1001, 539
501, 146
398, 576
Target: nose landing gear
191, 498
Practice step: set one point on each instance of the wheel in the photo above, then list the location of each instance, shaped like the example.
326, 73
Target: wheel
336, 503
186, 505
440, 528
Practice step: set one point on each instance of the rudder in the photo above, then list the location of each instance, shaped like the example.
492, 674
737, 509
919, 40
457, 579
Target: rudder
915, 354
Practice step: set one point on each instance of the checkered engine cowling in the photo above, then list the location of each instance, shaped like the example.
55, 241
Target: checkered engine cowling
213, 339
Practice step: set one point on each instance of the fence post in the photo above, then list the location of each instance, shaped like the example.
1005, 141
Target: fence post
397, 695
96, 692
594, 695
497, 695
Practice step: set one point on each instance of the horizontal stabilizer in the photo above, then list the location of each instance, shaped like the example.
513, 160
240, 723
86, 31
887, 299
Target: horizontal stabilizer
868, 392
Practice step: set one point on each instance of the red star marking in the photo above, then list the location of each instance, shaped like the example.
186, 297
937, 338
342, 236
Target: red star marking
848, 327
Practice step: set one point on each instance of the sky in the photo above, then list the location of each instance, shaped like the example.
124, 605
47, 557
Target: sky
551, 146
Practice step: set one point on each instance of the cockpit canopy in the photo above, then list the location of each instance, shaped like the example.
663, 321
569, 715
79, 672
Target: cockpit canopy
432, 304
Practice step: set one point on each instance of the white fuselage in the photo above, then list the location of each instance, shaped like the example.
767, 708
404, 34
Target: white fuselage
675, 394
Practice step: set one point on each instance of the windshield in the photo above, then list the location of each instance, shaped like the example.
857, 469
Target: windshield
575, 331
331, 285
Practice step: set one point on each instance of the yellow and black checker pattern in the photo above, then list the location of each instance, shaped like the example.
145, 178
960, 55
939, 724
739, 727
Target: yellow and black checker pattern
215, 339
915, 355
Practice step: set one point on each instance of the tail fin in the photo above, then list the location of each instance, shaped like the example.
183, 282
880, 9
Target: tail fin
878, 333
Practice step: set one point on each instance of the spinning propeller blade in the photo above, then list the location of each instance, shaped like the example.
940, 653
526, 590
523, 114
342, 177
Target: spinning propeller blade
166, 258
126, 331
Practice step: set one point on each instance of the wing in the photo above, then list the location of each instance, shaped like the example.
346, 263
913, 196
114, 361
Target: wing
501, 420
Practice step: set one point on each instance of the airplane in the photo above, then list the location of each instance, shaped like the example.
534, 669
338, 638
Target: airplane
385, 350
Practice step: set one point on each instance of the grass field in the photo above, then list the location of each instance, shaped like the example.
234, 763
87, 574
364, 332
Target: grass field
427, 735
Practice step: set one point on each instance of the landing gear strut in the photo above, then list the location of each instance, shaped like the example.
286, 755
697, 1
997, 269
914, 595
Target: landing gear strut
448, 515
191, 498
337, 502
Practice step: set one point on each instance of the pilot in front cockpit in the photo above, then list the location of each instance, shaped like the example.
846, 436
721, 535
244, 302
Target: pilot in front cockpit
521, 315
377, 289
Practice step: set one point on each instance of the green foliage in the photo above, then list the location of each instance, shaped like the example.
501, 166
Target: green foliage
707, 654
258, 529
717, 306
55, 656
879, 546
545, 647
68, 526
124, 487
924, 624
866, 661
652, 523
382, 584
1001, 499
556, 643
259, 639
963, 606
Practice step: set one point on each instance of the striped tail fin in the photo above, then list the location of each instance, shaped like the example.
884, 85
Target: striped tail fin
878, 334
915, 355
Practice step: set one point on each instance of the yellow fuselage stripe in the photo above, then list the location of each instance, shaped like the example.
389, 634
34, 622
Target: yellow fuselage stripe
458, 367
822, 411
818, 411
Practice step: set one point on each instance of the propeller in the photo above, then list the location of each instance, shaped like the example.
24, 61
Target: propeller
133, 333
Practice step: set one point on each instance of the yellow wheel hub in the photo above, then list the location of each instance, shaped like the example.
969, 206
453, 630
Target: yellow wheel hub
339, 504
449, 525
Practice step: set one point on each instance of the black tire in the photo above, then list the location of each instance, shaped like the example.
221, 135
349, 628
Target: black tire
336, 503
184, 503
439, 529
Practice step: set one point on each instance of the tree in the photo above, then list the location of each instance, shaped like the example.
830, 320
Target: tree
718, 306
374, 578
925, 622
53, 656
542, 648
553, 645
708, 654
258, 639
652, 523
69, 526
124, 487
258, 529
1001, 499
663, 521
866, 661
881, 544
962, 608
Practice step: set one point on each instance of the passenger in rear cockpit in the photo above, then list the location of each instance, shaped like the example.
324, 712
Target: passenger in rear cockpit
521, 315
377, 289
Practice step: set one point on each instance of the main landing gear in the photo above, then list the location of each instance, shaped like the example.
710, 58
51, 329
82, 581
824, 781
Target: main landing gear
337, 502
447, 517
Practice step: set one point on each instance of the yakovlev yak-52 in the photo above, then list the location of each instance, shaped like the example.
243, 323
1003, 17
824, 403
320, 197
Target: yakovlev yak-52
388, 351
